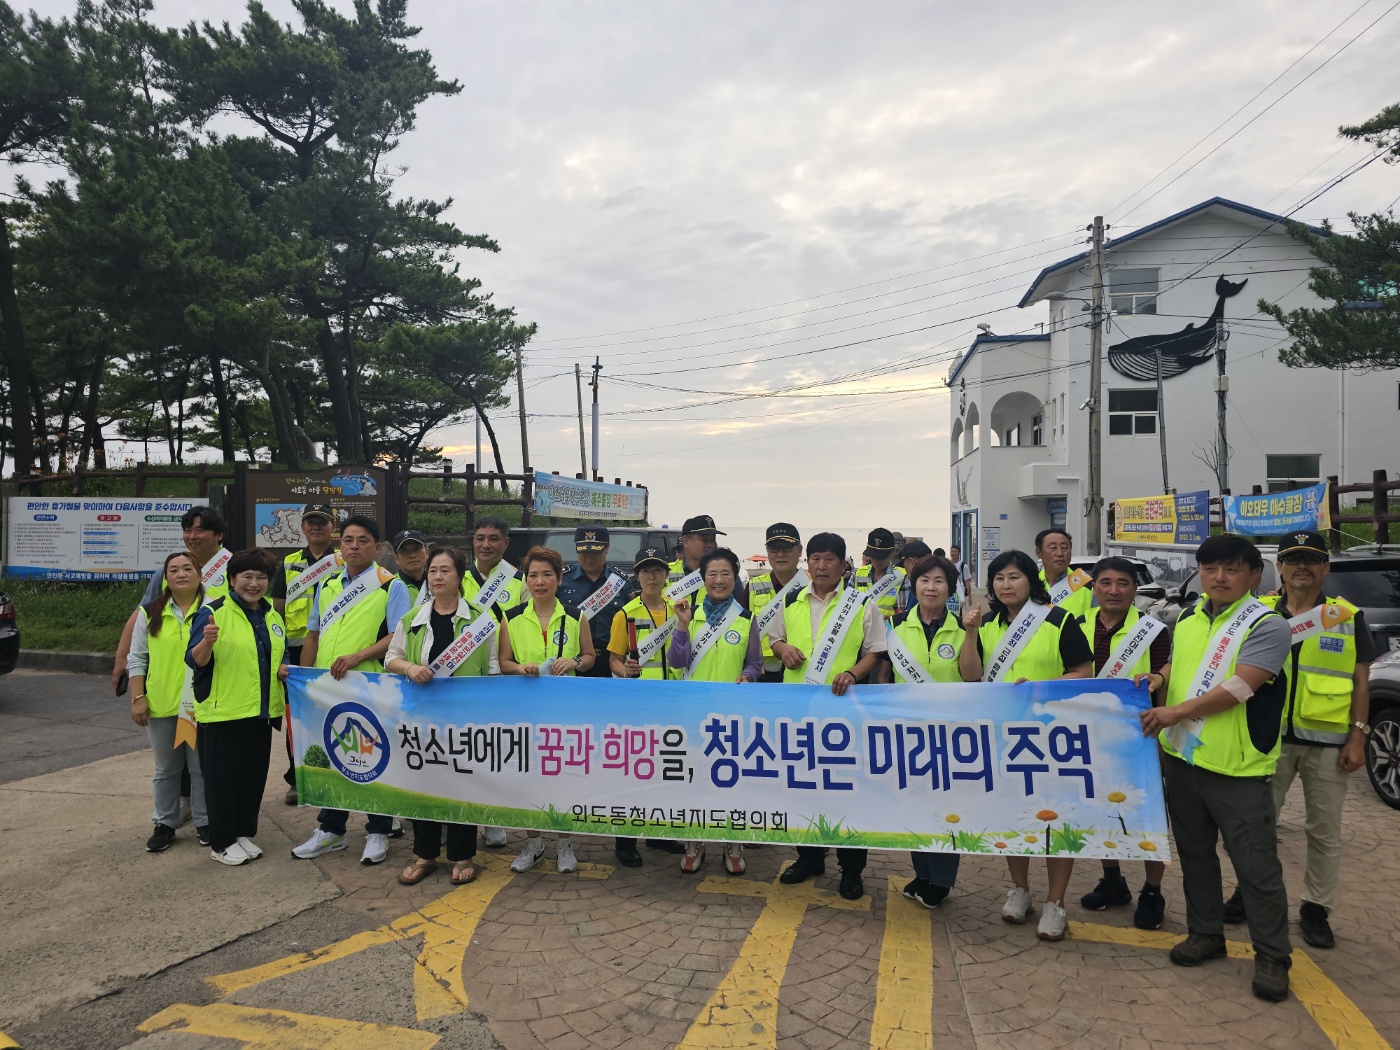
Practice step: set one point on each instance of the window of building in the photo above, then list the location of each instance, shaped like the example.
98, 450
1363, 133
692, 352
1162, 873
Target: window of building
1037, 429
1133, 291
1292, 472
1132, 412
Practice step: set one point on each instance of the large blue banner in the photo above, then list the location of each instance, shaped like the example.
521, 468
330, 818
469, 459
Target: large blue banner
1045, 769
558, 497
1275, 513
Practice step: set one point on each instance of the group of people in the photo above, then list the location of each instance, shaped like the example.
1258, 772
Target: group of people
1249, 692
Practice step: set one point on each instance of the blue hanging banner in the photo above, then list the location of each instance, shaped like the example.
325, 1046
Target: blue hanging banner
1275, 513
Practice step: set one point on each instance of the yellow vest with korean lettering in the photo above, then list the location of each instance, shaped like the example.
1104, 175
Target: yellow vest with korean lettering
358, 627
724, 661
637, 611
1321, 672
530, 643
1090, 621
797, 629
1039, 660
937, 655
296, 612
166, 670
1077, 603
478, 663
235, 689
888, 601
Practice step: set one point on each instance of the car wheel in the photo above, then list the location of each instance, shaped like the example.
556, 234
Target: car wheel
1383, 757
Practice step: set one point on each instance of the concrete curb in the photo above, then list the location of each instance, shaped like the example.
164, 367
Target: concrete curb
74, 663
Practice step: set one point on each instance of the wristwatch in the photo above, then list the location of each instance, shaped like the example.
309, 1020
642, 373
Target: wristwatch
1364, 727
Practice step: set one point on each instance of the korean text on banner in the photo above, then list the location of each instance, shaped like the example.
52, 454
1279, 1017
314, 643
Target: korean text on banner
1183, 518
76, 538
1039, 769
1275, 513
572, 498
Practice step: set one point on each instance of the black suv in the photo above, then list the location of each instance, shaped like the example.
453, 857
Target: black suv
623, 543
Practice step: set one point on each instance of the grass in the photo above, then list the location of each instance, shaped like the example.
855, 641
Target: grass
72, 617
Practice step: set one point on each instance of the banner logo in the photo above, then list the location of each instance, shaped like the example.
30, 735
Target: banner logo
732, 637
356, 742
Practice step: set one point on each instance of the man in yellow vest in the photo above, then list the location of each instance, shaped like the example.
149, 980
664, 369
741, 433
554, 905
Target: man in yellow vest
351, 623
1324, 719
784, 546
808, 621
318, 526
697, 539
490, 538
1220, 733
1068, 588
879, 553
1110, 627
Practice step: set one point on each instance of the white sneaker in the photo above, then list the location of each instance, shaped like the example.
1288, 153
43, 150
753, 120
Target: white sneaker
233, 855
1052, 922
564, 857
376, 849
320, 842
1018, 905
249, 847
495, 837
185, 812
396, 828
734, 858
693, 857
529, 855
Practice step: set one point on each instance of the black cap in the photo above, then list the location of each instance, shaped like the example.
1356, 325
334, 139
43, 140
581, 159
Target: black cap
879, 544
1302, 541
782, 532
591, 538
318, 510
700, 523
915, 549
648, 556
408, 536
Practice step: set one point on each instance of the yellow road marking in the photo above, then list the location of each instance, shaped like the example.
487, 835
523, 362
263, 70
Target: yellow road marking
6, 1043
278, 1030
1341, 1022
743, 1011
447, 926
904, 996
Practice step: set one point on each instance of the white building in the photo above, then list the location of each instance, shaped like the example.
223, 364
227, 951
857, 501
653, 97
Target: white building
1020, 441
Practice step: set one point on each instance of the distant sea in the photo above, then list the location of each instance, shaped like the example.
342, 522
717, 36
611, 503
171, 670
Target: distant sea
747, 540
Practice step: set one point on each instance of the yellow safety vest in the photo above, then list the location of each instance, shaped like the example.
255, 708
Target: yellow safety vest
478, 663
1243, 740
723, 661
1090, 622
1039, 659
235, 689
507, 598
295, 613
166, 670
887, 603
1078, 603
1321, 674
938, 655
761, 590
797, 627
358, 627
660, 666
528, 642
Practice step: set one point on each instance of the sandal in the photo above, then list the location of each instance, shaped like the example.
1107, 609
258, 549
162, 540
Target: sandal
459, 880
416, 872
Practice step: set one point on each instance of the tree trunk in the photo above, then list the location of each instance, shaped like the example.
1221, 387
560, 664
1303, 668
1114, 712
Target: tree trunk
16, 359
276, 389
41, 427
347, 435
490, 432
216, 375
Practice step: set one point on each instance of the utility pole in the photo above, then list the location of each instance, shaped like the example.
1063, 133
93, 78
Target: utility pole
1093, 506
1222, 394
578, 389
478, 442
520, 392
597, 367
1162, 426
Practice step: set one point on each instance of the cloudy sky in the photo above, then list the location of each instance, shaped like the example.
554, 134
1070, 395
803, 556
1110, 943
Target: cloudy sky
776, 223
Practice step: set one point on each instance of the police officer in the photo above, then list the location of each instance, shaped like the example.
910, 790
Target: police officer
1054, 548
697, 539
490, 538
879, 552
784, 546
590, 575
354, 637
1324, 719
411, 558
1221, 750
645, 614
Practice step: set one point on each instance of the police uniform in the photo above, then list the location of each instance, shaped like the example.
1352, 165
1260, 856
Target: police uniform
763, 589
238, 699
576, 587
700, 525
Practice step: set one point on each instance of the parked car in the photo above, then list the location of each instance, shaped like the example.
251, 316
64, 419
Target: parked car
1148, 589
1383, 745
9, 635
623, 544
1168, 609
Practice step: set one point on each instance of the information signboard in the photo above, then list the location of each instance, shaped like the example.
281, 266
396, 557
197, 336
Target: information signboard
91, 539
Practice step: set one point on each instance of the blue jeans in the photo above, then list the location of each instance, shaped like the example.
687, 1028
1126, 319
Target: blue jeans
937, 869
170, 762
334, 821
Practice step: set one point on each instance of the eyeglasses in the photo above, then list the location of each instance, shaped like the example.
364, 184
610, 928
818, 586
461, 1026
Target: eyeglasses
1303, 559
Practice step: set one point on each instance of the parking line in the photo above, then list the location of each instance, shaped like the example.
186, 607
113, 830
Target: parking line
260, 1029
1338, 1017
904, 995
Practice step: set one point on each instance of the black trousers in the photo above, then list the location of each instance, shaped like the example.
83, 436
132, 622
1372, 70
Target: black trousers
427, 840
852, 860
234, 757
294, 659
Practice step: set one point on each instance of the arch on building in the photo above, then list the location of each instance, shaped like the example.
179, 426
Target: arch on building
1018, 419
957, 440
970, 433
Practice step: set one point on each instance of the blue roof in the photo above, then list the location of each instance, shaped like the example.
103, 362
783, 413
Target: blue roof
967, 354
1152, 228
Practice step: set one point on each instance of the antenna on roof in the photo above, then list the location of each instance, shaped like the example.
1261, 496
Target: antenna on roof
985, 328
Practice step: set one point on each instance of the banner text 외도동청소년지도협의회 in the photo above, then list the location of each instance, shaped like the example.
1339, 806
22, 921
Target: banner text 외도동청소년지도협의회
1040, 769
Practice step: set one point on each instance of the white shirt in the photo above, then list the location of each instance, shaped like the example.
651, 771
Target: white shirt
398, 644
871, 620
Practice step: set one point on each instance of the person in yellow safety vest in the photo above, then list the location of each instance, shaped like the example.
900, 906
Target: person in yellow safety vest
932, 635
421, 637
158, 681
545, 637
318, 526
727, 654
636, 621
237, 651
411, 559
806, 623
1224, 709
1107, 626
1054, 547
350, 636
879, 550
1056, 650
784, 546
697, 539
1324, 721
490, 538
